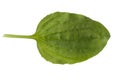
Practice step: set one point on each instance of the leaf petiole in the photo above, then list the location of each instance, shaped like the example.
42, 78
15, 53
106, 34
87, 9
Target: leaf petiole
19, 36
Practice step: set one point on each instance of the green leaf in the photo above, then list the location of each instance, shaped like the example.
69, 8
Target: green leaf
67, 38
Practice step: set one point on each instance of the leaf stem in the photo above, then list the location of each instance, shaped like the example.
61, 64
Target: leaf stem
19, 36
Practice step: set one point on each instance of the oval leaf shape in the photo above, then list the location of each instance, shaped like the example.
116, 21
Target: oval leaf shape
67, 38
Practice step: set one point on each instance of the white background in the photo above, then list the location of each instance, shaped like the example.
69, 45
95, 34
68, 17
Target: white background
20, 59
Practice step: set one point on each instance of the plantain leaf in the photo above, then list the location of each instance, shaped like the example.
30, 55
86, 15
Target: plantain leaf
67, 38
